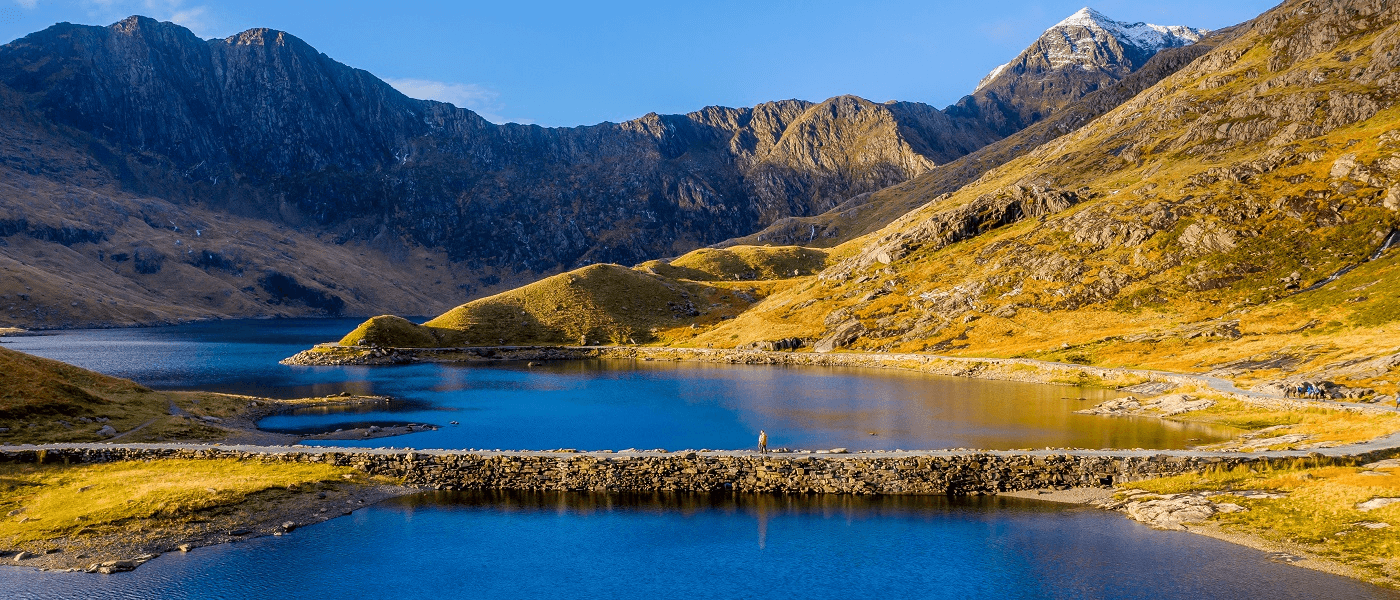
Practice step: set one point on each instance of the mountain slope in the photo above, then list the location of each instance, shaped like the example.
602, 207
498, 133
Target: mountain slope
867, 213
1239, 217
1237, 208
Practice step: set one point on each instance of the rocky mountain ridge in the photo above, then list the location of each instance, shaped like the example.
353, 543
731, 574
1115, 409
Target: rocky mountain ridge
867, 213
263, 119
262, 128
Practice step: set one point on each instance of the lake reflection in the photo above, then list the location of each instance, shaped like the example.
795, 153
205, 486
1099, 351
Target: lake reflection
570, 545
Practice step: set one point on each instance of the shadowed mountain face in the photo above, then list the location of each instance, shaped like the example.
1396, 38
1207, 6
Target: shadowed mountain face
263, 118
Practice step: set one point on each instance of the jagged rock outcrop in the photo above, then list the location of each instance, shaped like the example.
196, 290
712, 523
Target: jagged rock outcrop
1003, 207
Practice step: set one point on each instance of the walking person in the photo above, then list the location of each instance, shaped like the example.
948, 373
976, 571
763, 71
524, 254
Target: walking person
762, 442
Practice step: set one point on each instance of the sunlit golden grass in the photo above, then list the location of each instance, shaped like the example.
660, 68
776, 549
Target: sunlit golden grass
1320, 424
742, 263
1319, 512
54, 501
46, 401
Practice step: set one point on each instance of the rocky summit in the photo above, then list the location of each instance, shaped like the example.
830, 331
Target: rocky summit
1074, 73
1079, 55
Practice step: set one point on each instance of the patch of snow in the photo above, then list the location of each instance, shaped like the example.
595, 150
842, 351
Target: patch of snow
1142, 35
990, 76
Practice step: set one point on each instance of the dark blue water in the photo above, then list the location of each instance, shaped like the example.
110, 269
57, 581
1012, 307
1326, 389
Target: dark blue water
585, 546
595, 405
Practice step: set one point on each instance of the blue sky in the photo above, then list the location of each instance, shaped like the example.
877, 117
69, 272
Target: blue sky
577, 63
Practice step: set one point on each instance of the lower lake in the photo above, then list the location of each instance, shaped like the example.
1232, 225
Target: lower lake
522, 545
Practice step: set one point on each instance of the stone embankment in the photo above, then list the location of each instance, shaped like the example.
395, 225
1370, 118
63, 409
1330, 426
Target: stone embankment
931, 472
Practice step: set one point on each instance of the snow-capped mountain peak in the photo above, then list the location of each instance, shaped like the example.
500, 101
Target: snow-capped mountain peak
1145, 36
1082, 41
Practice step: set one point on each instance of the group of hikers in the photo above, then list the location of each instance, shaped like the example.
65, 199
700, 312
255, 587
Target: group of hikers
1305, 389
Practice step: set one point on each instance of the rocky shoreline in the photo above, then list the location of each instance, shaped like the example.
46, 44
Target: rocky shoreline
1006, 369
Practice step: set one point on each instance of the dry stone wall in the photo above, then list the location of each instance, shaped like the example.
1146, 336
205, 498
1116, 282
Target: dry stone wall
927, 473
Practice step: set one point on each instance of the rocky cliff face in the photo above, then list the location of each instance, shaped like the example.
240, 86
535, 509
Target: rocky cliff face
263, 124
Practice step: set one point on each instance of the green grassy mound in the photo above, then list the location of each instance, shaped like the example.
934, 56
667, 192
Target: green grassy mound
388, 331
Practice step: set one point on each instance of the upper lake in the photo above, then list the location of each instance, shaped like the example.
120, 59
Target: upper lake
592, 405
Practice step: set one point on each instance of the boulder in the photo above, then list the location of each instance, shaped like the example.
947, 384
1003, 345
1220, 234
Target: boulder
1173, 512
842, 335
1375, 503
107, 431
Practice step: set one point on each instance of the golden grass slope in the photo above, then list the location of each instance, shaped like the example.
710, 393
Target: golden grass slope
656, 302
1277, 153
45, 401
71, 501
598, 304
50, 401
1318, 510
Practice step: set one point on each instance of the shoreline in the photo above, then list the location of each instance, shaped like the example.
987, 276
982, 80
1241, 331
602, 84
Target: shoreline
1292, 554
1022, 370
125, 551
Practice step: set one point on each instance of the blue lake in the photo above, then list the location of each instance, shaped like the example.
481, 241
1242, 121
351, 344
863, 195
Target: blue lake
508, 546
520, 545
593, 405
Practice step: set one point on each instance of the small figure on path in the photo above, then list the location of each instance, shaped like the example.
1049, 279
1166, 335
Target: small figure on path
762, 442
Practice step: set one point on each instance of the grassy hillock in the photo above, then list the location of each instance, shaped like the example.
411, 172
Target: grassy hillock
598, 303
742, 263
43, 400
656, 302
46, 401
